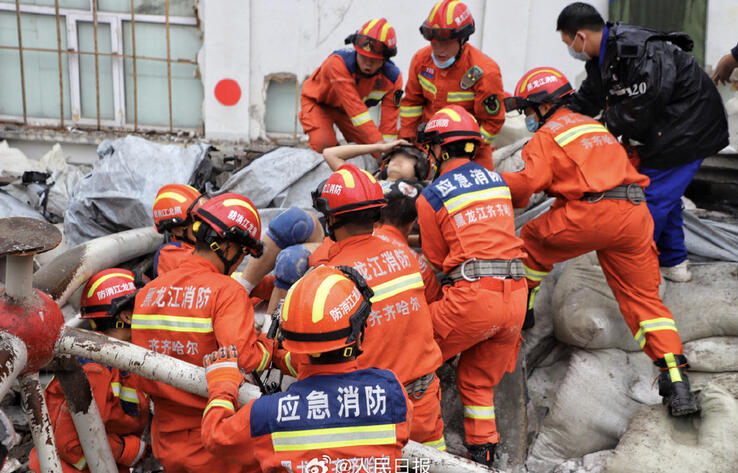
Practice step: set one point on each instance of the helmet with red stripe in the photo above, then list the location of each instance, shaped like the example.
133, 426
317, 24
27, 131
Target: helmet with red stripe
349, 189
538, 86
376, 39
454, 129
172, 206
448, 19
229, 217
106, 294
326, 311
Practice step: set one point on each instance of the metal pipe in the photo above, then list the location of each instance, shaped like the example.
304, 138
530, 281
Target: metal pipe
20, 54
135, 74
34, 405
191, 378
97, 66
85, 414
59, 56
169, 63
19, 276
62, 276
13, 358
113, 55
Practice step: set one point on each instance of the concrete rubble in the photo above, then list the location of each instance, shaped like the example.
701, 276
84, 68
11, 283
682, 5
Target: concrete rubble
582, 399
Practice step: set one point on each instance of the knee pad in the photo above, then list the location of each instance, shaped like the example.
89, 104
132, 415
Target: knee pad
292, 226
292, 263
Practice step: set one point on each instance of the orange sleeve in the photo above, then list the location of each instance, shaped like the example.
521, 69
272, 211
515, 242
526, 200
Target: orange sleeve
264, 289
434, 245
411, 106
432, 286
489, 108
344, 86
226, 431
535, 177
390, 111
233, 324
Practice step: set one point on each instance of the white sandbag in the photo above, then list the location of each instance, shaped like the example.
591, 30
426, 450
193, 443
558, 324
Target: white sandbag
713, 354
512, 130
586, 314
601, 391
658, 443
13, 163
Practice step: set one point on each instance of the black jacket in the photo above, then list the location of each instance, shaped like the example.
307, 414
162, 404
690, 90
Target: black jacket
655, 93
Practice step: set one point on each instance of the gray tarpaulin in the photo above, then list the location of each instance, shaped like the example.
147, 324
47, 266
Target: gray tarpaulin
12, 207
119, 192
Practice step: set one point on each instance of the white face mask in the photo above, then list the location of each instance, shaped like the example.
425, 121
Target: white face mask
580, 55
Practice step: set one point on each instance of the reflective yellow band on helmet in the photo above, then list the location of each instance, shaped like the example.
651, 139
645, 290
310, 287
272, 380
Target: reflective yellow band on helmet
464, 200
486, 136
383, 35
361, 118
450, 12
427, 85
479, 412
395, 286
105, 278
124, 393
674, 374
653, 325
409, 112
172, 323
321, 295
219, 403
439, 444
533, 274
369, 27
322, 439
459, 96
170, 195
572, 134
81, 464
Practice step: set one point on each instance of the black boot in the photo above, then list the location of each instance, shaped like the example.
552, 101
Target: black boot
674, 385
484, 454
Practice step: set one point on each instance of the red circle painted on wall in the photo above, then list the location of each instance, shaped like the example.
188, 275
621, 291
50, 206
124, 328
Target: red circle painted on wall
228, 92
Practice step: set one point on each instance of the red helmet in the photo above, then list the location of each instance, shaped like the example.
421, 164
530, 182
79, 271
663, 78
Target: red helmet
376, 39
422, 162
538, 86
108, 292
325, 310
172, 206
449, 124
229, 217
449, 19
349, 189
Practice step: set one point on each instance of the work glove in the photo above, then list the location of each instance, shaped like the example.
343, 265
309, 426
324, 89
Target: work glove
221, 370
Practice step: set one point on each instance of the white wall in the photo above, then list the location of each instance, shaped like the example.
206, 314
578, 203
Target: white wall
250, 40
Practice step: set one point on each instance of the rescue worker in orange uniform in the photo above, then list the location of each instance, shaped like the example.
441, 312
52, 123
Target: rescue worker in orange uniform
191, 311
172, 218
451, 71
600, 207
468, 230
107, 302
399, 334
347, 83
336, 415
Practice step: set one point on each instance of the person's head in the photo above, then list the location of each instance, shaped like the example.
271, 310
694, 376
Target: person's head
405, 162
227, 227
350, 200
375, 42
451, 133
324, 314
172, 211
447, 27
581, 28
108, 299
400, 211
538, 95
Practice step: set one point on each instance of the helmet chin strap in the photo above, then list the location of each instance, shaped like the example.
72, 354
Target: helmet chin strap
542, 119
227, 263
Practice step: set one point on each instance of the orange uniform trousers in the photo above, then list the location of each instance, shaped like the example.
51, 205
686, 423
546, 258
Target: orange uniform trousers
482, 321
622, 235
317, 121
427, 424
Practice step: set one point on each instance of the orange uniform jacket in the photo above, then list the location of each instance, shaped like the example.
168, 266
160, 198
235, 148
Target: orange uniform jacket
124, 410
399, 331
565, 171
170, 255
333, 419
338, 83
432, 286
188, 313
430, 88
466, 213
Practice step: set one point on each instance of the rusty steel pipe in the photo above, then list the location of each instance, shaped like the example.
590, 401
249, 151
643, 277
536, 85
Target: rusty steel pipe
85, 414
13, 358
33, 403
191, 378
